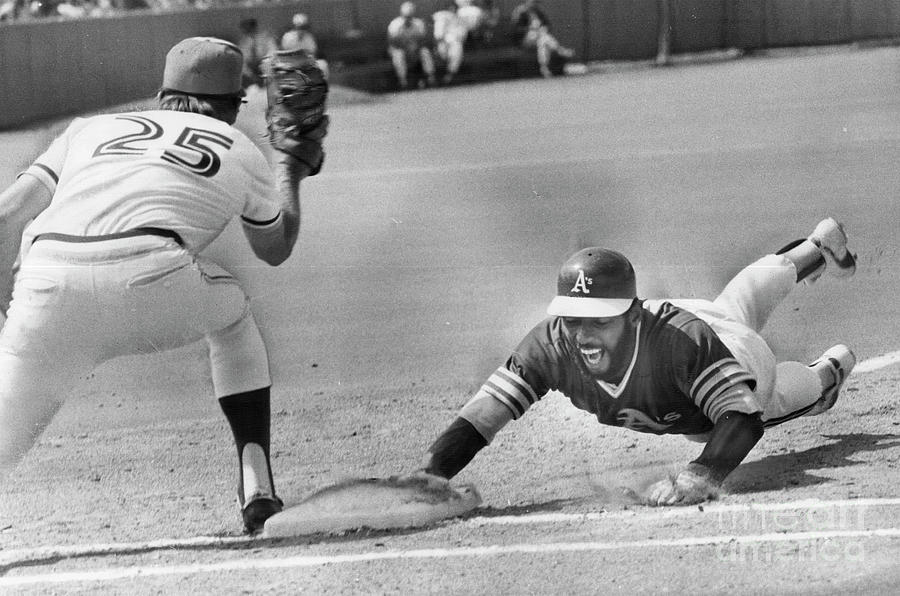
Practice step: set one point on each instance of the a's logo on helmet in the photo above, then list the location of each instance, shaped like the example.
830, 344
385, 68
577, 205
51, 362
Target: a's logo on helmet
582, 283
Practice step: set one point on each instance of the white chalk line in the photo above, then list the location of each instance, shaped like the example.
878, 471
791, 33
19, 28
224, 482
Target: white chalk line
18, 556
21, 556
552, 518
302, 561
24, 555
11, 557
878, 362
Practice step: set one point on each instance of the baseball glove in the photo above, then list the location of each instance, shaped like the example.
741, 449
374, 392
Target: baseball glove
296, 90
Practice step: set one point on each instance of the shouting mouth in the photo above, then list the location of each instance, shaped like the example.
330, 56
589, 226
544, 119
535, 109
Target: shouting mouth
591, 355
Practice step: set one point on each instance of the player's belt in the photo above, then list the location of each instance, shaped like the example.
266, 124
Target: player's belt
143, 231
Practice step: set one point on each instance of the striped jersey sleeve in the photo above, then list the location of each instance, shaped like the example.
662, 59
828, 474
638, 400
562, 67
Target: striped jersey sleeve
709, 373
509, 389
514, 387
724, 386
505, 396
47, 168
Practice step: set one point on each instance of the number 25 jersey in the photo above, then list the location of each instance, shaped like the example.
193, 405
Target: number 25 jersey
181, 171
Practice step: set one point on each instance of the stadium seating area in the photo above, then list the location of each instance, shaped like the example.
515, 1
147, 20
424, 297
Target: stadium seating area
363, 64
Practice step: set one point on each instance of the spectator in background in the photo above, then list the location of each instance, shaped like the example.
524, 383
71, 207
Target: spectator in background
42, 8
300, 37
72, 10
255, 44
490, 18
450, 38
470, 15
408, 45
103, 8
531, 30
8, 11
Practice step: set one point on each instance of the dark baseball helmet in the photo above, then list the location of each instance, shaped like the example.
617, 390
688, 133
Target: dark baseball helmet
594, 282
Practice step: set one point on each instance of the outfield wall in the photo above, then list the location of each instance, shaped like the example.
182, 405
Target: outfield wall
51, 68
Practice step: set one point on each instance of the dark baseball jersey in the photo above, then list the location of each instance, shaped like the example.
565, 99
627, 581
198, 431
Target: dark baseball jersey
680, 380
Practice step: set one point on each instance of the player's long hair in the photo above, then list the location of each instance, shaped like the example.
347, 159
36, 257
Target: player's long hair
220, 107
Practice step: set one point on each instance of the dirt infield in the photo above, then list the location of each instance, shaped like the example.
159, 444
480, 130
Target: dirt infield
429, 247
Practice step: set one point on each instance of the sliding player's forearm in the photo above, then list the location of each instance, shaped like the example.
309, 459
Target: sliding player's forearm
454, 449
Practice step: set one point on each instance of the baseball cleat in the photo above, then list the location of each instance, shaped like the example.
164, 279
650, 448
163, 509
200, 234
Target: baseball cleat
830, 238
258, 509
840, 360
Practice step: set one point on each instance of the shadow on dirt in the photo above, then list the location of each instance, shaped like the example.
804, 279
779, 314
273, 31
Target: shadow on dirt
785, 470
225, 543
514, 510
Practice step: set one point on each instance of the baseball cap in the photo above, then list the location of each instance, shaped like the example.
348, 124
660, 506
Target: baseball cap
594, 282
204, 66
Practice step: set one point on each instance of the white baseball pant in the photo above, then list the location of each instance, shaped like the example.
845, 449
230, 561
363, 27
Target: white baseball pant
739, 313
78, 304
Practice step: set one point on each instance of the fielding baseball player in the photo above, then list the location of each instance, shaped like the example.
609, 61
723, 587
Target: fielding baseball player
689, 367
121, 206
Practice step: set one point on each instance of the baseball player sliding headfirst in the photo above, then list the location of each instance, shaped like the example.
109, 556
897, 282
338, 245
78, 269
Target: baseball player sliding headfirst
121, 206
691, 367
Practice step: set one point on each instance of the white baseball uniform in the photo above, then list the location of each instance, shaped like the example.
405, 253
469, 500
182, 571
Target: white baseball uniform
737, 316
113, 268
450, 36
408, 44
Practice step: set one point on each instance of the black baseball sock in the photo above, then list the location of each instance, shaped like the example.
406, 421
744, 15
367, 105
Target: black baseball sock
249, 415
807, 258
